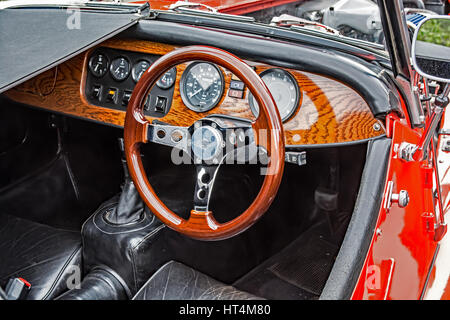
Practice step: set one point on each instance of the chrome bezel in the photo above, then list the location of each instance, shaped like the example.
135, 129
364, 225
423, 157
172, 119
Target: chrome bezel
185, 99
136, 65
112, 72
297, 94
96, 54
413, 50
217, 145
159, 83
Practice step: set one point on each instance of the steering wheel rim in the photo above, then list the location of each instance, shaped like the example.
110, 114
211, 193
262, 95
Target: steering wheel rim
201, 224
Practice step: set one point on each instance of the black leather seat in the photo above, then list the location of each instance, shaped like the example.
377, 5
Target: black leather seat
42, 255
175, 281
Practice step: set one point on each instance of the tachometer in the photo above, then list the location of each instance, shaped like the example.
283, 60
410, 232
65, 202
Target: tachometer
201, 86
120, 68
284, 90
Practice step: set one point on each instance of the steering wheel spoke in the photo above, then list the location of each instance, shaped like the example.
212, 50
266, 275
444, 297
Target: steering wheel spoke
206, 175
172, 136
238, 140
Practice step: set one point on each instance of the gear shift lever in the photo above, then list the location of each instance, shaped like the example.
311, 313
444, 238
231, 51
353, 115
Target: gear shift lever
130, 207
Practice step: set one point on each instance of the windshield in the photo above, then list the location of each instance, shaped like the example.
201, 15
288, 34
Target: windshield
346, 19
357, 19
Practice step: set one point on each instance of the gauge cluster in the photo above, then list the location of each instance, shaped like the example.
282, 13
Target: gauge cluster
113, 74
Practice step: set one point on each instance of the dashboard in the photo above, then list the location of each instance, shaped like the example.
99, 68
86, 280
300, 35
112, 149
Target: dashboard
97, 85
112, 75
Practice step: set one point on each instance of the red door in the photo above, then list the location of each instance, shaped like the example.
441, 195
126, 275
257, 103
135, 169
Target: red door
403, 248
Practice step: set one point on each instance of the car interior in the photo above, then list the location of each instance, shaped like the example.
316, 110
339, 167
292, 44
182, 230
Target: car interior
70, 206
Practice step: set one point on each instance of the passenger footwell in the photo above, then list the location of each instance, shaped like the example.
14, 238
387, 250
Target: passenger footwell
299, 271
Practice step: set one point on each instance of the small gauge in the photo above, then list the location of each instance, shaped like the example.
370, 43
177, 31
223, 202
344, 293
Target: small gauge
168, 79
139, 69
98, 64
120, 68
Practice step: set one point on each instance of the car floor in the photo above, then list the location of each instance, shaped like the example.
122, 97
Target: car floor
297, 272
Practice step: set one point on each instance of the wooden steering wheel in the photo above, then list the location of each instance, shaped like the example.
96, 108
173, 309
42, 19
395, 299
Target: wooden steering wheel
266, 133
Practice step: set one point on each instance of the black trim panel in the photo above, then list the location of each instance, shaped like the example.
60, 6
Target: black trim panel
44, 37
354, 248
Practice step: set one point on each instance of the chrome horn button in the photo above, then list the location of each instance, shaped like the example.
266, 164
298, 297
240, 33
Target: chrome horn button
206, 143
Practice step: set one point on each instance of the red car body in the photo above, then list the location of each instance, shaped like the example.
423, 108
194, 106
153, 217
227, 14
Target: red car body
236, 7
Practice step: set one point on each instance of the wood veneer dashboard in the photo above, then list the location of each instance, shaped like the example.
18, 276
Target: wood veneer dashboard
328, 112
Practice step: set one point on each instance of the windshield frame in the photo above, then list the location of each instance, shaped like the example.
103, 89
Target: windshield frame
368, 50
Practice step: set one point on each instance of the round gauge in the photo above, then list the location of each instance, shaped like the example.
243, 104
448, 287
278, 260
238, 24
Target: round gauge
120, 68
284, 90
201, 86
168, 79
139, 69
98, 64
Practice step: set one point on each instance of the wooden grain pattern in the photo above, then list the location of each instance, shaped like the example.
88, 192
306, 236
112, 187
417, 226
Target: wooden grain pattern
330, 111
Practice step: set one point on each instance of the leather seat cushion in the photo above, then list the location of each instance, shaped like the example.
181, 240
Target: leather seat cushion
175, 281
42, 255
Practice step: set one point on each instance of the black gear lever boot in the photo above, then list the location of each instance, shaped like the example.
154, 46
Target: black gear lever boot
124, 236
130, 207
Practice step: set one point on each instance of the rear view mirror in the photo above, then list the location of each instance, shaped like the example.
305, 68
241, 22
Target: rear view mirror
431, 48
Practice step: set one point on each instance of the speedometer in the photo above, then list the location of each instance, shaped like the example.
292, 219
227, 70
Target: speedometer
201, 86
284, 90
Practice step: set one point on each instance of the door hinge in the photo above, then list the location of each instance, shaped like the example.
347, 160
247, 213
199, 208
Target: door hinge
406, 151
436, 230
427, 172
428, 219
